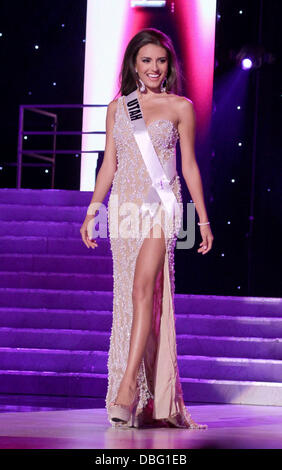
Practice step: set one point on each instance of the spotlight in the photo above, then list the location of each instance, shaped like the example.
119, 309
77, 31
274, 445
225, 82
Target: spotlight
246, 63
252, 57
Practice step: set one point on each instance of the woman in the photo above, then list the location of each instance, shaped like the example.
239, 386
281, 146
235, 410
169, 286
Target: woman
142, 129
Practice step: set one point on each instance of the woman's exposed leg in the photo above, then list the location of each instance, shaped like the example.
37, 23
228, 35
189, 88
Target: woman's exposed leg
149, 262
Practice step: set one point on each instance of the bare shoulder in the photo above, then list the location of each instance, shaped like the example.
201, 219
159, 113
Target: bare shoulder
112, 106
182, 105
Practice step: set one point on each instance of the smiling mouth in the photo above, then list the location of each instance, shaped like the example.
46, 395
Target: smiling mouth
153, 77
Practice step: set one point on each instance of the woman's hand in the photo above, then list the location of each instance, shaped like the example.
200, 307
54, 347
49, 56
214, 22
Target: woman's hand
84, 234
207, 238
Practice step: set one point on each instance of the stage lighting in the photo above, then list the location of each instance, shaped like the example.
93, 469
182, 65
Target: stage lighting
147, 3
246, 63
252, 57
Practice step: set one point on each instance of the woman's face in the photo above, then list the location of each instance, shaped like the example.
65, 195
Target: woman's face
152, 65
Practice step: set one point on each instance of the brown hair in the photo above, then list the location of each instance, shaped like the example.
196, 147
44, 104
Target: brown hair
127, 76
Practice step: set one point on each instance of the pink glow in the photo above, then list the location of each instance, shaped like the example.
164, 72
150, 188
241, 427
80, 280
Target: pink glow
196, 21
134, 21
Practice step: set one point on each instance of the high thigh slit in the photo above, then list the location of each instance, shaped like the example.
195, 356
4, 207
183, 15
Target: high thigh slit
160, 391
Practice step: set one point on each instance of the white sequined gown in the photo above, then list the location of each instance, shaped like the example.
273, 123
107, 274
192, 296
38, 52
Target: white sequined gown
158, 378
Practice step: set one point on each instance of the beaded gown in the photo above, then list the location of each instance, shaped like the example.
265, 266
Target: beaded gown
158, 380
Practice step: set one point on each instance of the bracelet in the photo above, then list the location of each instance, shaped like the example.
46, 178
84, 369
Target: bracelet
203, 223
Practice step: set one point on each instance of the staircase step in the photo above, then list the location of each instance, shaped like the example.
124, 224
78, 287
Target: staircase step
16, 402
95, 385
53, 360
222, 325
224, 346
231, 305
57, 263
34, 228
47, 338
47, 213
59, 299
230, 368
52, 197
83, 300
43, 280
53, 383
42, 212
54, 339
232, 391
202, 367
72, 246
215, 325
56, 319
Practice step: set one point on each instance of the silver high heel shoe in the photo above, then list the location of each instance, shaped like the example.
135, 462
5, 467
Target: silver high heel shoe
190, 424
123, 413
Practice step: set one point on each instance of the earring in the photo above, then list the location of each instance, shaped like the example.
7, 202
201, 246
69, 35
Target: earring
163, 86
142, 87
140, 83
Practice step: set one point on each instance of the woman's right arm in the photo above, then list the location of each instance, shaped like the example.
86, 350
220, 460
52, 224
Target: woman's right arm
106, 173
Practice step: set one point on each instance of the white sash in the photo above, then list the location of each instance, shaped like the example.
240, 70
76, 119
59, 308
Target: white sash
160, 189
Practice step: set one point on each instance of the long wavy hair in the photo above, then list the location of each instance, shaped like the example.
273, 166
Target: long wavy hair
128, 76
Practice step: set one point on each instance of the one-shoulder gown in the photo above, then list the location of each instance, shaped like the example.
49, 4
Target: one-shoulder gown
158, 380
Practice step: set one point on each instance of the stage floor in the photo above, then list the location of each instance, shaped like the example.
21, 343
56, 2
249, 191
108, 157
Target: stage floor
230, 427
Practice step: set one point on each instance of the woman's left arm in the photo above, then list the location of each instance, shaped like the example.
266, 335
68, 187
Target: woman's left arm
190, 169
